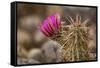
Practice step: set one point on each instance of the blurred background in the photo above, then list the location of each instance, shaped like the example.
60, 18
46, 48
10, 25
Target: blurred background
33, 47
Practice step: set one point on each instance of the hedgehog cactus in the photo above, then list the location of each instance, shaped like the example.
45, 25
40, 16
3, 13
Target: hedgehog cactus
75, 46
73, 40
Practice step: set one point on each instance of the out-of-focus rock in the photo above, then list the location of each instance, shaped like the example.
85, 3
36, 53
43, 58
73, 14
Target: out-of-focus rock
39, 38
33, 61
92, 32
22, 61
92, 39
92, 49
92, 44
29, 23
36, 54
24, 39
92, 56
22, 36
21, 51
52, 52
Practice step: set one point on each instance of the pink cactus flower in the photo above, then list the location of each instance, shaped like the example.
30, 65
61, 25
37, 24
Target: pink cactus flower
51, 25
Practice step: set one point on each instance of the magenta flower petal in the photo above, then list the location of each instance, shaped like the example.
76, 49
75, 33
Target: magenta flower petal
51, 25
47, 29
43, 31
58, 21
53, 21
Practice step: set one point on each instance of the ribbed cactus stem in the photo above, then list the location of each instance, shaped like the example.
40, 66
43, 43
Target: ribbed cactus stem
74, 40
